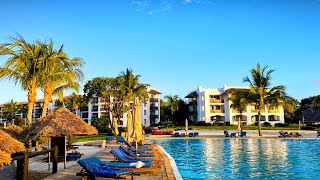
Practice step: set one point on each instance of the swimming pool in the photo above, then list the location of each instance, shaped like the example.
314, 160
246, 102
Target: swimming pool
245, 158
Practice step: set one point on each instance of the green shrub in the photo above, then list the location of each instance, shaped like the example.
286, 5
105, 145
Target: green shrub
102, 124
281, 125
267, 124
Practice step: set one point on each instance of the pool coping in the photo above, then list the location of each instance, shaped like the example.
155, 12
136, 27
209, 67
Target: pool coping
173, 164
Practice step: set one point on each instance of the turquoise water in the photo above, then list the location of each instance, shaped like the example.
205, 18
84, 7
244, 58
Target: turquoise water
245, 158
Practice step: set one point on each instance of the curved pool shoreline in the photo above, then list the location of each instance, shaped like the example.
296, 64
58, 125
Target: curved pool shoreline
173, 164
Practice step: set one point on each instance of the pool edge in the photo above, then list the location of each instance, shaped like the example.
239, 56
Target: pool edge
173, 164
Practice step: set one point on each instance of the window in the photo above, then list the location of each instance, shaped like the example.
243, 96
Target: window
216, 97
203, 118
95, 100
212, 107
202, 98
94, 108
202, 108
84, 115
145, 112
218, 108
121, 122
211, 96
145, 104
145, 121
94, 115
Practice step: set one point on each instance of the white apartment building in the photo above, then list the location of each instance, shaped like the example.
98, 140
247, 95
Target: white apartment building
213, 104
150, 111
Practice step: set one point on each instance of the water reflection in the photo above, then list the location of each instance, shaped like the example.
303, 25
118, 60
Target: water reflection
245, 158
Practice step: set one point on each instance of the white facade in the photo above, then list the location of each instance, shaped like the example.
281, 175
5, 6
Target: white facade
150, 112
213, 104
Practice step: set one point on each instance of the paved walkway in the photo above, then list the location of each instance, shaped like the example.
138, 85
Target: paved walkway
160, 170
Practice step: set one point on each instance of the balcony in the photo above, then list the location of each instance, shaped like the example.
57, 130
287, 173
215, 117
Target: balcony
257, 110
153, 107
216, 101
102, 109
153, 100
274, 111
236, 111
216, 111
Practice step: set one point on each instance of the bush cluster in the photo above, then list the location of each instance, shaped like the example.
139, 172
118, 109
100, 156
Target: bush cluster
281, 125
162, 132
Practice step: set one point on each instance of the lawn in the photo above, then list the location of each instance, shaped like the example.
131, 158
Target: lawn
88, 138
291, 127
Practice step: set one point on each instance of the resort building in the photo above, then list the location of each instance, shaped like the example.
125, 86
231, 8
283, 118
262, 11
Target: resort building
212, 105
150, 111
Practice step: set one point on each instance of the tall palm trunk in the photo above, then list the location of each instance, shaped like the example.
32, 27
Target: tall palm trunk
172, 118
32, 95
259, 120
47, 97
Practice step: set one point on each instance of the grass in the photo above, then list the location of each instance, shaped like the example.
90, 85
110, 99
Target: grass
291, 127
88, 138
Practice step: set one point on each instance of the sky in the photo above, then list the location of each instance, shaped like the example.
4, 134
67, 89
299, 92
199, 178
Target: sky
176, 45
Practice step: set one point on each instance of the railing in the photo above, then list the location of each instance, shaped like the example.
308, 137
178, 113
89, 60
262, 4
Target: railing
23, 161
257, 110
216, 101
274, 111
153, 99
236, 111
217, 111
153, 107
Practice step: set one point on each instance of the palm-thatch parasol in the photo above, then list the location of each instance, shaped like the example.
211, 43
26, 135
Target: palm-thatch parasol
10, 145
129, 126
137, 133
5, 159
14, 130
187, 128
60, 123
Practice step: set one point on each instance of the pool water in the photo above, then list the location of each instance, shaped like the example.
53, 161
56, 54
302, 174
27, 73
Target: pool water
245, 158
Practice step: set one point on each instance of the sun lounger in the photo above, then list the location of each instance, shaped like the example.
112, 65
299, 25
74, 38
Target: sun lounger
243, 134
233, 135
126, 165
318, 133
118, 154
73, 156
109, 138
120, 139
133, 153
190, 134
195, 134
144, 148
226, 133
183, 135
176, 134
94, 168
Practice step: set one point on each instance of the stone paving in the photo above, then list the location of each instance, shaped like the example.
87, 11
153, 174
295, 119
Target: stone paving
161, 169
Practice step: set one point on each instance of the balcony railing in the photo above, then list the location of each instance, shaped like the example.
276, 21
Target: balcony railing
216, 111
236, 111
102, 109
257, 110
153, 99
274, 111
216, 101
153, 107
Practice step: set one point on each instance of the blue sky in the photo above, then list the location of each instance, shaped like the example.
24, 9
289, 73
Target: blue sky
176, 45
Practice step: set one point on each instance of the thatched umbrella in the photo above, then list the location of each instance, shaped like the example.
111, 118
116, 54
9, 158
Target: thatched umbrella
10, 145
137, 134
14, 130
5, 159
60, 123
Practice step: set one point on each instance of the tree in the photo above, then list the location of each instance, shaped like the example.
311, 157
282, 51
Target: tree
60, 73
290, 107
173, 104
261, 94
130, 87
72, 102
239, 102
101, 87
9, 110
24, 66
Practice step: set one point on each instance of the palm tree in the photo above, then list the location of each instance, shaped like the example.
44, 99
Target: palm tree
238, 102
60, 73
130, 87
23, 67
74, 102
173, 104
9, 110
261, 94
